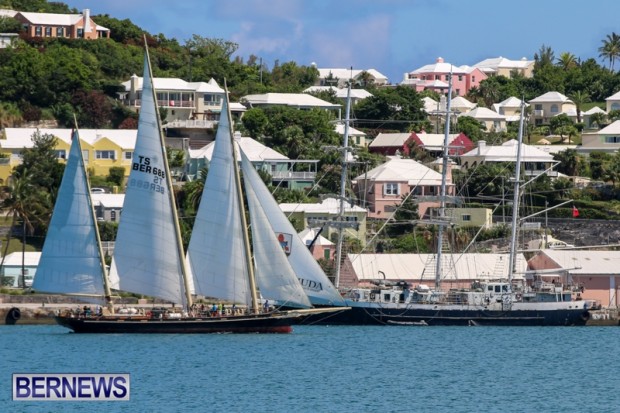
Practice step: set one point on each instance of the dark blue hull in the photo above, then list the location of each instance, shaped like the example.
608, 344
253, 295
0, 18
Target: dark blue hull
361, 315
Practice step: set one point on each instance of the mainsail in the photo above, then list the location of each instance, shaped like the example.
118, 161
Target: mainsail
216, 253
147, 253
315, 283
71, 261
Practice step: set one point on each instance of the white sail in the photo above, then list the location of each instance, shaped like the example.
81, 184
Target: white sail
216, 253
147, 256
315, 283
71, 262
274, 275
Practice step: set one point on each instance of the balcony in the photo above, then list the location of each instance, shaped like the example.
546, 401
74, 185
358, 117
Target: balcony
539, 113
191, 124
293, 176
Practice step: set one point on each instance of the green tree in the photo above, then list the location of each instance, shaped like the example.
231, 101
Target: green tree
567, 61
398, 108
610, 50
472, 128
559, 123
40, 162
579, 98
599, 164
599, 119
570, 162
116, 175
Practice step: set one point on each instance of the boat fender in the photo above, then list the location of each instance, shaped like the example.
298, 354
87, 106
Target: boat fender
372, 296
518, 297
12, 316
149, 314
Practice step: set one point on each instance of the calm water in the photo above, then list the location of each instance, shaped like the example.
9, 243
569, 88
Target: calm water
331, 369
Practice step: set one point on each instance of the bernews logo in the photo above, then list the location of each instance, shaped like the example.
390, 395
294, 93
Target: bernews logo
76, 387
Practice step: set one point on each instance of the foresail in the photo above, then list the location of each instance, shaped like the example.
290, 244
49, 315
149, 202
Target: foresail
70, 261
146, 254
315, 283
216, 253
275, 277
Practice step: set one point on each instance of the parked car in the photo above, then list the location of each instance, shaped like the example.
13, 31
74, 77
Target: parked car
97, 191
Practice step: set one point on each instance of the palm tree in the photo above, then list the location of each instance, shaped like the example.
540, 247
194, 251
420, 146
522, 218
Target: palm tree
579, 98
610, 50
598, 118
567, 60
21, 203
544, 57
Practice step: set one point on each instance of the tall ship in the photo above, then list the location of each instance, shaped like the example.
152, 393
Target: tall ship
500, 302
149, 257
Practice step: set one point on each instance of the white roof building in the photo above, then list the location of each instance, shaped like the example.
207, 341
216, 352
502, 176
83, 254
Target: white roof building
253, 149
398, 170
343, 75
19, 138
329, 206
341, 92
296, 100
461, 104
411, 267
502, 66
108, 200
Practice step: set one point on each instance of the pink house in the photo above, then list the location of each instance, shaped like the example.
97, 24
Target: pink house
435, 77
382, 188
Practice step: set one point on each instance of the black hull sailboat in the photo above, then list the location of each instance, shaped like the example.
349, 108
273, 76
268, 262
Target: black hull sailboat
262, 323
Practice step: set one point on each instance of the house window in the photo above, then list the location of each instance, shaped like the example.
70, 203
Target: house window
391, 189
61, 154
612, 139
466, 218
458, 92
554, 108
60, 32
437, 77
211, 99
127, 155
473, 79
38, 31
460, 78
538, 106
80, 33
105, 155
113, 215
48, 32
326, 254
389, 208
85, 155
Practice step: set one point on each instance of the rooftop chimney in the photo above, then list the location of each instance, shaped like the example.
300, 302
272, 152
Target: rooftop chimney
86, 14
482, 145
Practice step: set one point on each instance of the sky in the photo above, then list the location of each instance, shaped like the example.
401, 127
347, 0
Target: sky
391, 36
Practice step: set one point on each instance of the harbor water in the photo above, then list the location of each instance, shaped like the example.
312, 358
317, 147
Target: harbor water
330, 369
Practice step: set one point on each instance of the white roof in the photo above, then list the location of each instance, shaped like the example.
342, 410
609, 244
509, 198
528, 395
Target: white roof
511, 102
593, 110
344, 74
398, 170
553, 149
500, 62
435, 140
612, 129
352, 131
367, 267
507, 152
389, 139
14, 259
442, 67
173, 83
340, 92
52, 19
308, 234
108, 200
551, 97
328, 206
7, 13
461, 102
582, 262
484, 113
289, 99
615, 96
254, 150
430, 104
18, 138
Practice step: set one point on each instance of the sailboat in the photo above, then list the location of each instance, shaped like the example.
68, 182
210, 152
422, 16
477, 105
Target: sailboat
149, 258
72, 261
498, 302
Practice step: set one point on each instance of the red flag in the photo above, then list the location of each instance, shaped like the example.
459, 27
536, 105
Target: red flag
575, 212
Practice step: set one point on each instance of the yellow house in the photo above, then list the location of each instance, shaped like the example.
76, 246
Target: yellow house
101, 148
